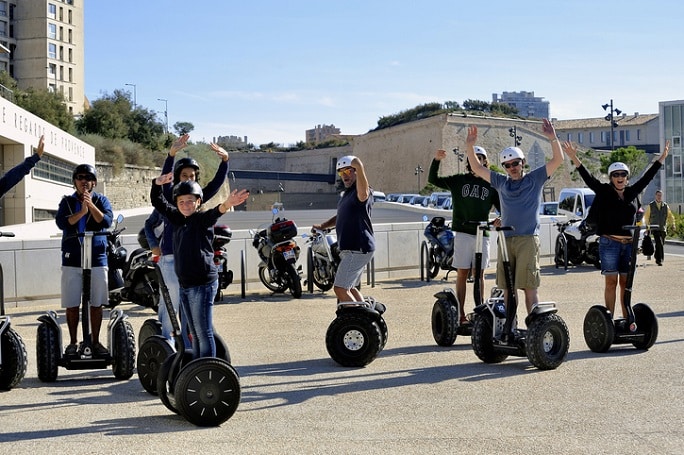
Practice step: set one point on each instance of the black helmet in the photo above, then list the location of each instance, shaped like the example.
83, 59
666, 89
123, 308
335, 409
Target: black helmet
84, 169
183, 163
187, 187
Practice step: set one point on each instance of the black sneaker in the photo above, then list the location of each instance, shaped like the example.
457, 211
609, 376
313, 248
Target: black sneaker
98, 349
72, 349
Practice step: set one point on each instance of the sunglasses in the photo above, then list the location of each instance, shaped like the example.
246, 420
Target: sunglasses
515, 163
619, 174
345, 172
86, 177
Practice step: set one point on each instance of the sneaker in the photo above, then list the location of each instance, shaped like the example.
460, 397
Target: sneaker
98, 349
72, 349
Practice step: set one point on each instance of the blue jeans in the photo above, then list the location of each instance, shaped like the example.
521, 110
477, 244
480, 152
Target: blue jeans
615, 256
197, 306
171, 279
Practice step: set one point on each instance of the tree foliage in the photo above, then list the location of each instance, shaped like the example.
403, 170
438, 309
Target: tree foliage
182, 128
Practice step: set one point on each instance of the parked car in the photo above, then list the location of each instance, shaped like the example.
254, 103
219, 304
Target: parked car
392, 197
418, 200
437, 198
548, 208
406, 198
575, 202
379, 196
446, 204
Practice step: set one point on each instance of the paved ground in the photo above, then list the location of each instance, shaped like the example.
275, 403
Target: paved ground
415, 397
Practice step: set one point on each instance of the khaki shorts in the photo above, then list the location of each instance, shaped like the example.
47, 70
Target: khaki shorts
523, 254
72, 285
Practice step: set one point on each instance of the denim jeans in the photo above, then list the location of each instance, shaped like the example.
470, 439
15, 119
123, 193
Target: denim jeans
171, 280
197, 306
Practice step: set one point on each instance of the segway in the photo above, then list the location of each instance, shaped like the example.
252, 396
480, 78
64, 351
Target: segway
639, 328
495, 333
13, 358
206, 391
358, 333
120, 339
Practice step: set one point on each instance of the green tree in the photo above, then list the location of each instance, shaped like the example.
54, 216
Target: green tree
182, 128
636, 159
49, 106
476, 105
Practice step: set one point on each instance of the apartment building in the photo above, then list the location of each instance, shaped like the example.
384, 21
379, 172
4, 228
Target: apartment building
320, 133
526, 103
46, 43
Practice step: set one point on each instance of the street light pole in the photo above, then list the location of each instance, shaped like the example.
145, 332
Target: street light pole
135, 95
611, 118
418, 171
513, 132
166, 113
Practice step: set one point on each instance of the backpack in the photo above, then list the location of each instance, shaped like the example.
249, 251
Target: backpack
647, 248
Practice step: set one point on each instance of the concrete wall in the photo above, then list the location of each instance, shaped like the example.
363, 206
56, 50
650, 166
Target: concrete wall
32, 267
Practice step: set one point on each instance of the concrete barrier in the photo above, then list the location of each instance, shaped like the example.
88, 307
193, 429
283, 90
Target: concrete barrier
32, 266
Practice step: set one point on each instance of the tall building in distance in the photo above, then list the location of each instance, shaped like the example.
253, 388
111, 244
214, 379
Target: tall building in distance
320, 133
527, 104
46, 43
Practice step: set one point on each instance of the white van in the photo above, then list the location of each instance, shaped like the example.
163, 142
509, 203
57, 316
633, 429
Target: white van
575, 202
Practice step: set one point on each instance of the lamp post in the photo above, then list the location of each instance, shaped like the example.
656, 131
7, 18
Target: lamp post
611, 118
135, 95
166, 113
513, 132
418, 171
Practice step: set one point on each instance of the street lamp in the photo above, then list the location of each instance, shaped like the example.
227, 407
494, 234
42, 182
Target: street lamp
418, 171
135, 96
611, 118
166, 113
513, 132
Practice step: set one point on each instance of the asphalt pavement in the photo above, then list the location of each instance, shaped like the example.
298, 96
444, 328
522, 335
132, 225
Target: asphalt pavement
416, 397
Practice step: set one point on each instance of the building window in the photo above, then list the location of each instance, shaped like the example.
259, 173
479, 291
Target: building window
71, 75
54, 169
591, 137
71, 94
638, 135
3, 28
52, 50
52, 31
52, 11
569, 138
3, 9
627, 139
580, 138
71, 56
43, 215
604, 137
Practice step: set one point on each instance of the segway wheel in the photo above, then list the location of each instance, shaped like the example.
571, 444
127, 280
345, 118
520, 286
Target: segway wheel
150, 327
647, 323
599, 331
444, 322
166, 378
353, 339
481, 340
47, 352
152, 354
222, 351
14, 359
382, 325
207, 391
547, 341
123, 350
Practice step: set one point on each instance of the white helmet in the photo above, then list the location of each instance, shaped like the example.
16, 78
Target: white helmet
480, 151
345, 161
618, 166
511, 153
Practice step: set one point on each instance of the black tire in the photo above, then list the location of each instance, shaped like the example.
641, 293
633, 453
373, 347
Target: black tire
207, 391
353, 339
270, 285
47, 352
294, 281
149, 328
481, 340
382, 325
547, 341
167, 376
647, 323
561, 257
322, 283
123, 351
432, 264
222, 351
444, 322
152, 354
599, 331
14, 359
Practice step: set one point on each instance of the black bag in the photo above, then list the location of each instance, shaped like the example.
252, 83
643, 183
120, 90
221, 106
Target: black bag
142, 239
647, 248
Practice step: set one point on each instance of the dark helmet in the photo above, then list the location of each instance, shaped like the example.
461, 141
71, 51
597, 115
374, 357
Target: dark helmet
183, 163
187, 187
84, 169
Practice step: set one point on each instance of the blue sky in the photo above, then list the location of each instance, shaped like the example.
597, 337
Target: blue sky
269, 70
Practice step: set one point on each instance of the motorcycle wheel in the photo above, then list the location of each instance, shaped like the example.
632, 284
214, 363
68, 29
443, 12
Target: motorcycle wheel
323, 283
14, 359
561, 256
270, 285
295, 281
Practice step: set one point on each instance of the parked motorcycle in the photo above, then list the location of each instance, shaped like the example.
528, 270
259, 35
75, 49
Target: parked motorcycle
131, 278
323, 257
279, 254
222, 236
438, 250
576, 243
